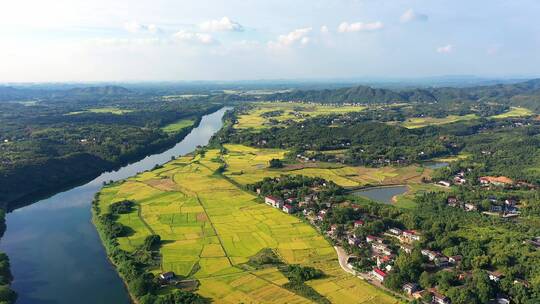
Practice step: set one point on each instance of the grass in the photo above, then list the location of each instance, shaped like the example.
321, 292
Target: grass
210, 227
178, 125
255, 120
108, 110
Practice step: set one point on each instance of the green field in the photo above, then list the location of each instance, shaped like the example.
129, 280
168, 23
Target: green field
210, 227
178, 125
420, 122
255, 120
109, 110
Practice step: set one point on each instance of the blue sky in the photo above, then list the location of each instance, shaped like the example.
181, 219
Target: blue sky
74, 40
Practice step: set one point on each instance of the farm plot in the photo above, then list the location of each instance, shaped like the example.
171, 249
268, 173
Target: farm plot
266, 114
209, 227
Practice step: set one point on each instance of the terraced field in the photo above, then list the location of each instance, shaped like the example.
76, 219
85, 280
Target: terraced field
284, 111
209, 227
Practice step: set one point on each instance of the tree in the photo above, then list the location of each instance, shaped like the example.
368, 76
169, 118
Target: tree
276, 163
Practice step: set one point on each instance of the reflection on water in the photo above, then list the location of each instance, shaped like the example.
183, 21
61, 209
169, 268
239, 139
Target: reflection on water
55, 252
382, 194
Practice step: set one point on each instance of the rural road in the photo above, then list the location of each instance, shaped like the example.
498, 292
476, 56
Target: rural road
342, 257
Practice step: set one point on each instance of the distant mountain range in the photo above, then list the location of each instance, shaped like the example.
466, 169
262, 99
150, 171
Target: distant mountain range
8, 93
523, 91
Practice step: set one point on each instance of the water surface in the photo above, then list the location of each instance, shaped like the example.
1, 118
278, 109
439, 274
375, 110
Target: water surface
382, 194
55, 252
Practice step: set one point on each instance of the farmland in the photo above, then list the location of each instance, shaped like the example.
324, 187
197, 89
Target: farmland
178, 125
104, 110
266, 114
420, 122
245, 165
210, 227
515, 112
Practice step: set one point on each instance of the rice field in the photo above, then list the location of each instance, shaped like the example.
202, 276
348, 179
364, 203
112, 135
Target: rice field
289, 111
515, 112
246, 165
107, 110
209, 227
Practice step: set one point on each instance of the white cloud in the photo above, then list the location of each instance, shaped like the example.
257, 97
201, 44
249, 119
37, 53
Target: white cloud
324, 29
346, 27
445, 49
124, 41
135, 27
298, 36
410, 15
221, 25
198, 38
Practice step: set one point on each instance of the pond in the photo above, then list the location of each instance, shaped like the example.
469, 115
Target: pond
55, 252
382, 194
435, 165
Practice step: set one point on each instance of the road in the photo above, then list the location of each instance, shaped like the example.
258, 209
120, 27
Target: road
343, 257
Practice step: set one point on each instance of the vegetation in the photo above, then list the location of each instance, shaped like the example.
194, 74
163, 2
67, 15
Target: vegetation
209, 228
44, 149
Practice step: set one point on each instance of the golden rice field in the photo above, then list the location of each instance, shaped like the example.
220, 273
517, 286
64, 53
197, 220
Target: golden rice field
515, 112
209, 227
254, 120
247, 165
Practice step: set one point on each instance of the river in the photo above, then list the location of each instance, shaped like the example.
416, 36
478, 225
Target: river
55, 252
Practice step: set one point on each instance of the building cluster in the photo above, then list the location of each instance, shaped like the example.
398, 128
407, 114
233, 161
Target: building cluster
505, 208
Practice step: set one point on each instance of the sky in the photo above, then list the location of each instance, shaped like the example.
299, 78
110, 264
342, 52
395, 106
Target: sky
165, 40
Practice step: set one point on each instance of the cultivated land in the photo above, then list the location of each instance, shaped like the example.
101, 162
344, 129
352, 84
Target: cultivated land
109, 110
178, 125
246, 165
210, 227
287, 111
419, 122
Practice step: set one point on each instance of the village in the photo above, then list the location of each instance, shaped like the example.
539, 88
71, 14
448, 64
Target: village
311, 201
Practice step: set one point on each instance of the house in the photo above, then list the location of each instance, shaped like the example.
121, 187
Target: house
395, 231
288, 208
381, 248
412, 235
444, 183
496, 208
419, 294
441, 261
410, 288
495, 276
358, 223
431, 255
167, 276
258, 191
273, 201
406, 248
510, 202
353, 241
455, 259
470, 207
502, 300
378, 274
384, 260
439, 298
290, 200
496, 180
371, 238
452, 201
459, 180
321, 215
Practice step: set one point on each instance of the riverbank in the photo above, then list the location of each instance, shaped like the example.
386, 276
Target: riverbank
56, 253
77, 169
